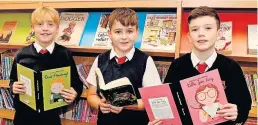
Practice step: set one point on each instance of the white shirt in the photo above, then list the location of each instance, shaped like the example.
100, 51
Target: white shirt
150, 77
49, 48
209, 61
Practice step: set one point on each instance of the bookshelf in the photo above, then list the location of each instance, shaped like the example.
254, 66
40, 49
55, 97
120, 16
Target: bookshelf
182, 46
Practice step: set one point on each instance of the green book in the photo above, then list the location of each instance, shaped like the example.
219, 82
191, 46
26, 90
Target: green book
51, 81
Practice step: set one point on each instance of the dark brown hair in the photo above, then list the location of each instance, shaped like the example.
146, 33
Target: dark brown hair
204, 11
126, 16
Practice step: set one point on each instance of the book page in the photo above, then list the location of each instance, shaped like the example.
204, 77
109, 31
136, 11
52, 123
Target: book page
161, 108
27, 84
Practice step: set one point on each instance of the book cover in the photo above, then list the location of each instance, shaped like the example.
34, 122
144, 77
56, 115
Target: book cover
71, 27
159, 32
160, 104
119, 92
224, 41
101, 37
23, 28
7, 31
204, 95
252, 39
52, 82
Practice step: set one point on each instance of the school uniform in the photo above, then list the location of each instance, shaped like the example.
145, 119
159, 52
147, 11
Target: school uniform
139, 68
231, 75
56, 56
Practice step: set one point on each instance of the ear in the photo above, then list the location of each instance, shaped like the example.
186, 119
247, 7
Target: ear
32, 27
109, 33
189, 37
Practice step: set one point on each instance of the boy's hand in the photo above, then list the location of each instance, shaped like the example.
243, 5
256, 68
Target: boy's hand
155, 122
104, 108
115, 109
69, 95
18, 88
228, 111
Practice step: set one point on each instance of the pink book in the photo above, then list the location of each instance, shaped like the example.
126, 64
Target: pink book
204, 95
159, 104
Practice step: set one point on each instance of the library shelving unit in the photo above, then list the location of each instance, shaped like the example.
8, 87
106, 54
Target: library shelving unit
182, 45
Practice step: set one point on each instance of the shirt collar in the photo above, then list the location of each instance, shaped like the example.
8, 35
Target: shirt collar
209, 61
49, 48
129, 55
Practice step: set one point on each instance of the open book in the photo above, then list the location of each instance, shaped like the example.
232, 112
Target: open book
119, 92
51, 81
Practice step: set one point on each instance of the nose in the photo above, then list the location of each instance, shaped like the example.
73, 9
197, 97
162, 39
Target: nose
201, 32
45, 27
124, 36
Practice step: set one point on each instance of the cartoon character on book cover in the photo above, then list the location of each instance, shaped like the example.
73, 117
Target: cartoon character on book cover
159, 32
224, 41
101, 37
8, 31
204, 95
67, 32
71, 27
30, 38
56, 87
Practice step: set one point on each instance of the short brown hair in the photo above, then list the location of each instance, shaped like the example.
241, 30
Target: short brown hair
126, 16
45, 13
204, 11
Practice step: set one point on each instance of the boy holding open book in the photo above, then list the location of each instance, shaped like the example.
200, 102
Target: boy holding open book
42, 55
123, 60
204, 25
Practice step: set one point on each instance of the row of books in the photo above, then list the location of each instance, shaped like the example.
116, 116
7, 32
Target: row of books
81, 112
6, 100
252, 83
5, 121
157, 30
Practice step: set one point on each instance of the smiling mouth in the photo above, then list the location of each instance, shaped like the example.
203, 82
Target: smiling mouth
202, 41
45, 34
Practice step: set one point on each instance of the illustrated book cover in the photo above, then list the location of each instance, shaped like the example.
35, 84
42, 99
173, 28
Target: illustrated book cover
7, 31
101, 37
224, 40
204, 95
160, 104
51, 81
71, 28
119, 92
159, 32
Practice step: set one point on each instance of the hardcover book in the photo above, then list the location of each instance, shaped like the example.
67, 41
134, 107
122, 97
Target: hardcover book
119, 92
71, 27
159, 32
224, 41
101, 37
160, 104
204, 96
52, 82
253, 39
7, 31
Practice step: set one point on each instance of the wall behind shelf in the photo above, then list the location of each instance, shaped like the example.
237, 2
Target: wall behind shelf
240, 20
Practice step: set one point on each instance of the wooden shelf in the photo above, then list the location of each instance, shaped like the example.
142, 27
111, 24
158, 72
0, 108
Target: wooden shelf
249, 69
4, 83
221, 4
113, 4
71, 122
253, 112
243, 58
7, 113
19, 5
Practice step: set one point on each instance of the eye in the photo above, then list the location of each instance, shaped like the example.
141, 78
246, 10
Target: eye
193, 30
130, 31
208, 28
117, 32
